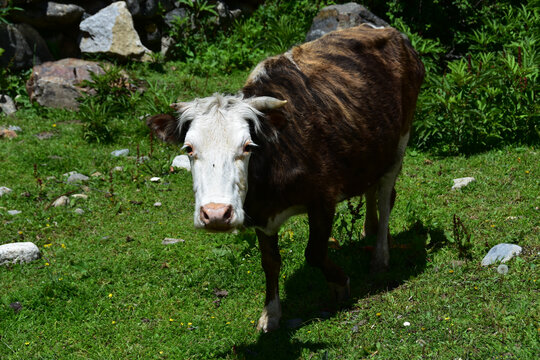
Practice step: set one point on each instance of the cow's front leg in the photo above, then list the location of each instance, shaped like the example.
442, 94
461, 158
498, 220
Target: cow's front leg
271, 262
320, 228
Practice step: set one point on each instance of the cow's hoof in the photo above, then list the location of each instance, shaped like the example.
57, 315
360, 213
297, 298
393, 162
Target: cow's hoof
269, 320
267, 323
341, 293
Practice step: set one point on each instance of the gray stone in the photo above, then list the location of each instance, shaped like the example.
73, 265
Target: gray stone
14, 128
23, 47
167, 46
78, 211
19, 252
118, 168
14, 212
57, 84
49, 15
122, 152
182, 162
76, 177
174, 15
157, 204
337, 17
461, 182
4, 190
7, 106
501, 252
502, 269
61, 201
111, 31
170, 241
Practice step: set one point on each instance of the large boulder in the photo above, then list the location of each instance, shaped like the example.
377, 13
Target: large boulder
56, 84
111, 31
49, 15
337, 17
23, 47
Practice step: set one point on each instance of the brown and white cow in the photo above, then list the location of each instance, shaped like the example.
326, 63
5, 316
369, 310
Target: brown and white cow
328, 120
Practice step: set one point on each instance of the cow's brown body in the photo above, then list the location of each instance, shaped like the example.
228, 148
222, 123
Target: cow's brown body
350, 99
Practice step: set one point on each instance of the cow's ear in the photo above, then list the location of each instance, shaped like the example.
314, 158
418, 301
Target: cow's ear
165, 126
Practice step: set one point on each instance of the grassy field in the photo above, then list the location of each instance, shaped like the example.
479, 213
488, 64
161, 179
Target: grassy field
106, 287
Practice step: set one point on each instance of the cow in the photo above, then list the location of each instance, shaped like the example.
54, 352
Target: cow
326, 121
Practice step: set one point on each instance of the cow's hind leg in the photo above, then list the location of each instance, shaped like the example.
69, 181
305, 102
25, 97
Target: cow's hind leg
320, 228
271, 262
371, 222
386, 197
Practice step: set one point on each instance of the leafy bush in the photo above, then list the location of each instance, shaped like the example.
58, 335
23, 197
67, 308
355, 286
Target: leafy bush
487, 96
273, 28
111, 96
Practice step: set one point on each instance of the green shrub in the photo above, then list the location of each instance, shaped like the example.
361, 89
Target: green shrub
486, 97
110, 96
273, 28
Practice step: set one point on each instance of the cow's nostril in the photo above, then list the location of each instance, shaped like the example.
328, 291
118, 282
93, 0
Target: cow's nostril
204, 216
228, 214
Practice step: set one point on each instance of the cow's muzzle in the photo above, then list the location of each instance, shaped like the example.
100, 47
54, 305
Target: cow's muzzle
216, 217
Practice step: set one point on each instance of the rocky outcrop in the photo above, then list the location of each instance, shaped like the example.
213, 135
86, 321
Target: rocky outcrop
23, 47
56, 84
337, 17
49, 15
111, 31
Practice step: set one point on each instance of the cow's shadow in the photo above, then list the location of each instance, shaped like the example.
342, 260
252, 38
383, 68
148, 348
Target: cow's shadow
308, 298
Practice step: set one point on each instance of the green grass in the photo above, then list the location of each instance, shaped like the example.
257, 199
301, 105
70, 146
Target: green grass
106, 288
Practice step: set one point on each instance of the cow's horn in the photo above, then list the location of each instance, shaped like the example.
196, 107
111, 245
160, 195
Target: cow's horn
263, 103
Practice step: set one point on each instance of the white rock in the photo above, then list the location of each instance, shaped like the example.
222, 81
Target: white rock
118, 168
61, 201
169, 241
182, 162
80, 196
155, 179
76, 177
78, 211
7, 105
14, 128
4, 190
502, 253
20, 252
461, 182
157, 204
406, 323
96, 174
14, 212
122, 152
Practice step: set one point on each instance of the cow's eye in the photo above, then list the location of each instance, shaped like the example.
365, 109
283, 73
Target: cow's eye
188, 148
249, 147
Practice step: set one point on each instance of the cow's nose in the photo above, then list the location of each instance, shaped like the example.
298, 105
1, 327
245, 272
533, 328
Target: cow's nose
216, 216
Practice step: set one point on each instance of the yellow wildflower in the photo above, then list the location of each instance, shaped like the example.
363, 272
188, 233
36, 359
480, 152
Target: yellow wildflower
110, 295
378, 314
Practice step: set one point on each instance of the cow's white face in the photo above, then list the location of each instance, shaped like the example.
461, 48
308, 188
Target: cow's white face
219, 144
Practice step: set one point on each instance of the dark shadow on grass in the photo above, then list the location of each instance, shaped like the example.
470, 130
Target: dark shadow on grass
307, 293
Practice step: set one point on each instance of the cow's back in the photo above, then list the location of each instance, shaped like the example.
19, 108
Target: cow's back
351, 96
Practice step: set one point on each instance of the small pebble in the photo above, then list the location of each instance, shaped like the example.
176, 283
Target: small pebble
4, 190
118, 168
80, 196
155, 179
170, 241
78, 211
14, 212
61, 201
406, 323
502, 269
122, 152
157, 204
